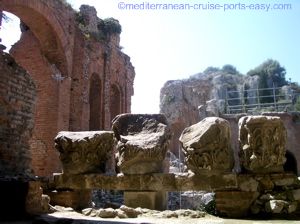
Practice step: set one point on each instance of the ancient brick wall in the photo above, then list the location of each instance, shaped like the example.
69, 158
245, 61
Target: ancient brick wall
46, 115
82, 80
17, 101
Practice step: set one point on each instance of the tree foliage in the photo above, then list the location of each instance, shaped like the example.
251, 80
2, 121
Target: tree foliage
297, 104
270, 72
210, 70
229, 69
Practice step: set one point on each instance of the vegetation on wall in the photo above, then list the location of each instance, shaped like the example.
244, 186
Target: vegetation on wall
110, 26
230, 69
105, 28
297, 104
227, 69
270, 73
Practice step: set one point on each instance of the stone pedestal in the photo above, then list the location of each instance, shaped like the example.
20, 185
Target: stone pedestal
262, 144
156, 200
206, 146
85, 151
143, 140
76, 199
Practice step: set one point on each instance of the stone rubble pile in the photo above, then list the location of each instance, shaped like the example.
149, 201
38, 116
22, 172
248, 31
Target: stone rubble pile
128, 212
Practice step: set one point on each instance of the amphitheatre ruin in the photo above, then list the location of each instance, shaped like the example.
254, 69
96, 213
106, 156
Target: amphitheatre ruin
67, 132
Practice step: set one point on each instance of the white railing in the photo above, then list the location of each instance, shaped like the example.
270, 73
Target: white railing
257, 100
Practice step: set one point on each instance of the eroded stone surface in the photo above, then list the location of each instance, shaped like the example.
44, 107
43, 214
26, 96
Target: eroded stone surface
148, 182
206, 146
143, 141
262, 144
36, 202
84, 152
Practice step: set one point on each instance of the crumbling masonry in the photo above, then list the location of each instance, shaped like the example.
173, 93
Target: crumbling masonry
82, 78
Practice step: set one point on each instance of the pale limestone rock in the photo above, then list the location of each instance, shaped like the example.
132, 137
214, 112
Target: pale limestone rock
206, 146
121, 214
107, 213
87, 211
84, 152
262, 144
275, 206
130, 212
267, 197
143, 141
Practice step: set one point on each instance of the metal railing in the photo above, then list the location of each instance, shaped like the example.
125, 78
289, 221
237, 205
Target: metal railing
258, 100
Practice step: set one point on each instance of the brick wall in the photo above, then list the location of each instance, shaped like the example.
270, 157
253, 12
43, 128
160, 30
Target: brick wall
17, 101
62, 60
27, 53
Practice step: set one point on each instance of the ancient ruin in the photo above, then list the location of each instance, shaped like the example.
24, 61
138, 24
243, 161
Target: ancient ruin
20, 193
66, 73
206, 146
142, 142
67, 77
82, 78
85, 152
237, 194
188, 101
262, 144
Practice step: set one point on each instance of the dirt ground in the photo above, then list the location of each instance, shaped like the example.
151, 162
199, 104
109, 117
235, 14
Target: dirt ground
77, 218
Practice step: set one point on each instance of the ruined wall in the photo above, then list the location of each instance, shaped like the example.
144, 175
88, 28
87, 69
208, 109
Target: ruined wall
180, 99
83, 79
46, 115
17, 101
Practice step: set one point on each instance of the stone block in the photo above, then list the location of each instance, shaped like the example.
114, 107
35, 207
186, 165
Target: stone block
275, 206
84, 152
206, 146
262, 144
143, 141
76, 199
155, 200
36, 202
234, 204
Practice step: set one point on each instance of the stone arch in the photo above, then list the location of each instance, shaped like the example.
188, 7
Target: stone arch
95, 100
43, 21
291, 163
115, 101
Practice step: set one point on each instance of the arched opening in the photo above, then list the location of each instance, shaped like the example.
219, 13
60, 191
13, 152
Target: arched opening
95, 99
39, 51
291, 163
115, 101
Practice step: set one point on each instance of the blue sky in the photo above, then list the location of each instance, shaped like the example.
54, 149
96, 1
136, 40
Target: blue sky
174, 44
